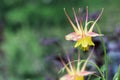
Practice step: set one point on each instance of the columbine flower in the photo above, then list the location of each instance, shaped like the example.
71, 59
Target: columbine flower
80, 34
76, 73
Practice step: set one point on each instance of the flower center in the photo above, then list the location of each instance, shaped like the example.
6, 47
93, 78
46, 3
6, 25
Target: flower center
85, 42
79, 78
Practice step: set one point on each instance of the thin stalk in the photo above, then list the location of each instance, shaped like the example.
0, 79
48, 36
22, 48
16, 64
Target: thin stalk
89, 77
105, 53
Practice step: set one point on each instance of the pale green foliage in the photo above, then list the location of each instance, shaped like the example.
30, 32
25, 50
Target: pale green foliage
117, 75
23, 52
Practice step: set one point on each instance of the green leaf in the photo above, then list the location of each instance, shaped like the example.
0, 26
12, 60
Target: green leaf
103, 68
16, 15
117, 75
97, 78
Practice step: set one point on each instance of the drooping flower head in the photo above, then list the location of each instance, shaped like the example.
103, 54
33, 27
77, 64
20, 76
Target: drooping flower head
81, 34
76, 73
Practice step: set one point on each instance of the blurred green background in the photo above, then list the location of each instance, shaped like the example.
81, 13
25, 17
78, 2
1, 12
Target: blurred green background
29, 27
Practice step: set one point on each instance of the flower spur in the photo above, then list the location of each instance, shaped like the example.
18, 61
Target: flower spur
80, 34
76, 73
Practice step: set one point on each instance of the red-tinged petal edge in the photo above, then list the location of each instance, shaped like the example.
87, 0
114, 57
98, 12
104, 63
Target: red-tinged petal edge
66, 77
85, 73
72, 36
93, 34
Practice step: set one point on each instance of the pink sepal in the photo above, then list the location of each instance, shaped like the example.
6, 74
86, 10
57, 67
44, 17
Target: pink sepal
93, 34
85, 73
73, 36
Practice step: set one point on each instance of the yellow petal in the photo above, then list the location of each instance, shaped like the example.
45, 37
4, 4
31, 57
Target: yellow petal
79, 78
90, 42
84, 43
78, 43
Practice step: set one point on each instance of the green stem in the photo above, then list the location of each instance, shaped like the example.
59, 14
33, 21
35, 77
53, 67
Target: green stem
105, 53
89, 77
